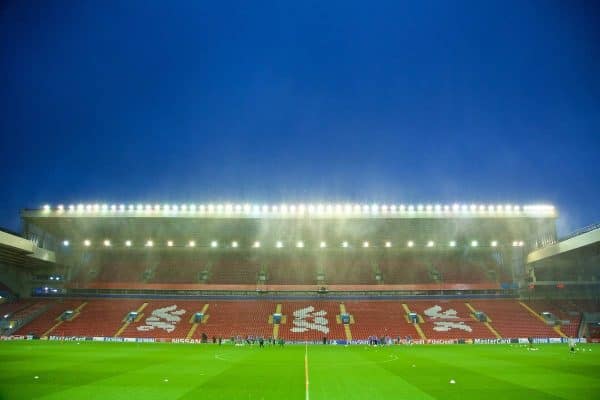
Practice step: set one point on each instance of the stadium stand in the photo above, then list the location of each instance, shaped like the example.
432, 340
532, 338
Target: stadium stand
511, 319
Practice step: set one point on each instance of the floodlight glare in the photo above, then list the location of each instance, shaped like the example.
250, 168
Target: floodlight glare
149, 243
128, 243
430, 243
365, 244
344, 244
87, 243
214, 244
300, 244
279, 244
323, 245
452, 243
410, 243
66, 243
106, 243
234, 244
494, 243
256, 244
192, 243
388, 244
474, 243
169, 243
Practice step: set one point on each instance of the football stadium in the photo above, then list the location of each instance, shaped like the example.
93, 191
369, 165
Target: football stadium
286, 301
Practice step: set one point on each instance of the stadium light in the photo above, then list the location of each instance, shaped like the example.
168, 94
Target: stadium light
300, 244
494, 243
344, 244
192, 243
256, 244
66, 243
121, 207
87, 243
410, 243
149, 243
430, 243
234, 244
521, 243
104, 207
106, 243
71, 208
113, 208
214, 244
365, 244
128, 243
169, 243
279, 244
322, 245
388, 244
452, 243
474, 243
60, 208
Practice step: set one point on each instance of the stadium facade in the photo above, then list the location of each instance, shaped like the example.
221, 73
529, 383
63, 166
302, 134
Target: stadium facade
296, 258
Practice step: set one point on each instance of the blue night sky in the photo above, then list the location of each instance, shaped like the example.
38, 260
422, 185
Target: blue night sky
306, 101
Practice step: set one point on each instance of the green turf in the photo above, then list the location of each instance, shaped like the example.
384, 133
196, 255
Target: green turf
67, 370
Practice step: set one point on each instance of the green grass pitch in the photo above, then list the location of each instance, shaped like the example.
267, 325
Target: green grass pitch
91, 370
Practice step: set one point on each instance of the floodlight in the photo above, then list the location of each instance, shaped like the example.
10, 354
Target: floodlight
279, 244
169, 243
322, 245
430, 243
300, 244
192, 243
521, 243
66, 243
60, 208
234, 244
71, 208
494, 243
184, 207
87, 243
214, 244
474, 243
365, 244
113, 207
88, 207
410, 243
149, 243
344, 244
104, 207
128, 243
452, 243
139, 207
515, 243
388, 244
106, 243
256, 244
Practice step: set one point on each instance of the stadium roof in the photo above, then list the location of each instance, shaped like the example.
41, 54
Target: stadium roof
15, 250
584, 242
320, 210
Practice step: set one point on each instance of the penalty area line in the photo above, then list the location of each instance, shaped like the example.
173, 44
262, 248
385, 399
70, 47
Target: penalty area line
306, 397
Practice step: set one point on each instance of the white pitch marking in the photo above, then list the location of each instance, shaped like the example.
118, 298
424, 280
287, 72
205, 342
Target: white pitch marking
306, 397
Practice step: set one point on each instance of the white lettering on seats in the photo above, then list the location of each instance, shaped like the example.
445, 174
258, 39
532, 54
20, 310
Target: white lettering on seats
165, 318
444, 326
306, 319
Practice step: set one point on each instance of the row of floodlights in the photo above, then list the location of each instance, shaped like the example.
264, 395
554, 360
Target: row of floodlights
299, 209
299, 244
